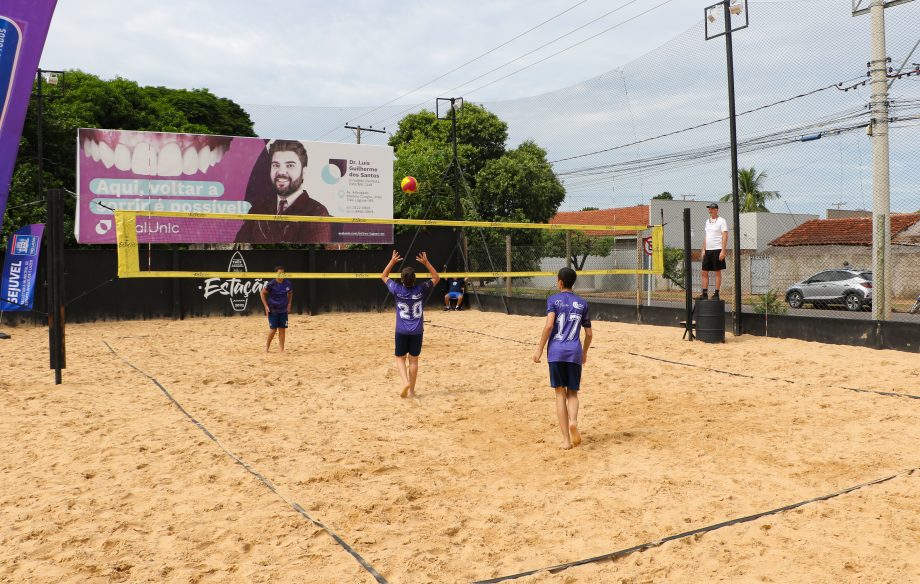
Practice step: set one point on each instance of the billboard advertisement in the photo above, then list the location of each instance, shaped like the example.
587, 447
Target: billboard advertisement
159, 171
23, 28
20, 266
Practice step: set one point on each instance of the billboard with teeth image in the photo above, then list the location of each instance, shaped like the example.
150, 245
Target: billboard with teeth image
159, 171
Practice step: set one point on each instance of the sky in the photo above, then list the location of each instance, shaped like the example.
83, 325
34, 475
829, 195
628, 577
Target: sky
626, 71
359, 53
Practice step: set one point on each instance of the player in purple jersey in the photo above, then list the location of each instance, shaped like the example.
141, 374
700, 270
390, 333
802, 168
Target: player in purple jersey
410, 301
566, 314
276, 298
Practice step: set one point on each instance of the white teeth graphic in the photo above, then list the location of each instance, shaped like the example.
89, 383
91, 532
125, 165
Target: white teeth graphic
190, 161
106, 155
204, 158
144, 159
170, 161
122, 157
155, 158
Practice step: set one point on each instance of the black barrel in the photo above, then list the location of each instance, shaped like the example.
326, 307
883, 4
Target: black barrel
710, 321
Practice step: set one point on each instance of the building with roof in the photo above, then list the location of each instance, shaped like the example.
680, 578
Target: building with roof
820, 244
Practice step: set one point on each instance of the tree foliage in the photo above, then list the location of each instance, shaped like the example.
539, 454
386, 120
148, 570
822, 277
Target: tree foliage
583, 246
666, 196
497, 183
750, 191
86, 101
674, 266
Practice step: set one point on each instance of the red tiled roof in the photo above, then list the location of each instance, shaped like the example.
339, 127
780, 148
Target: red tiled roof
633, 216
850, 231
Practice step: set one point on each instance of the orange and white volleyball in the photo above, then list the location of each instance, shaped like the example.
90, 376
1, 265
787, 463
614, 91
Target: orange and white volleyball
409, 185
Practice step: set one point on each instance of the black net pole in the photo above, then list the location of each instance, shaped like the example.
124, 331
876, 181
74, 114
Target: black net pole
688, 276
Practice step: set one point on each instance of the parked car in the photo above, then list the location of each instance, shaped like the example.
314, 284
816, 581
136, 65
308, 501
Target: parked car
852, 288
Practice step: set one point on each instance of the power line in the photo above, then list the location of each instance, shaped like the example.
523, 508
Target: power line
458, 67
518, 58
698, 126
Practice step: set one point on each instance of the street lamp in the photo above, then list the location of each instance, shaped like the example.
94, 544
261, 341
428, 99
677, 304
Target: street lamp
732, 16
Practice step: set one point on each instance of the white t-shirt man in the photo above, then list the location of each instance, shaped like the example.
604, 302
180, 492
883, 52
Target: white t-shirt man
714, 229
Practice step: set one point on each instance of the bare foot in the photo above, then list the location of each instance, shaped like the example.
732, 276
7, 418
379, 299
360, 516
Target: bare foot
566, 446
411, 394
405, 392
576, 437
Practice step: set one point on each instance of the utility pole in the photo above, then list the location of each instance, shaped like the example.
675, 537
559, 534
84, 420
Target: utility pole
711, 15
455, 104
359, 129
878, 130
54, 259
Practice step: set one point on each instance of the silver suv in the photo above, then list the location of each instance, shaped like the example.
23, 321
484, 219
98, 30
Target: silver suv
852, 288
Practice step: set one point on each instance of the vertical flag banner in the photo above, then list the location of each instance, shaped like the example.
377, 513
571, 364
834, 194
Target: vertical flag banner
23, 28
20, 266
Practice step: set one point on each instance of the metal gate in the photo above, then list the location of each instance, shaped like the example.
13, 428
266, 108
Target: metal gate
760, 274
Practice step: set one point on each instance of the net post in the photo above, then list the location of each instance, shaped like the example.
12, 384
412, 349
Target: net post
568, 248
126, 244
508, 264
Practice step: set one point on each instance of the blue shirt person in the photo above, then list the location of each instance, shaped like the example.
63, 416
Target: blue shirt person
566, 315
276, 298
410, 301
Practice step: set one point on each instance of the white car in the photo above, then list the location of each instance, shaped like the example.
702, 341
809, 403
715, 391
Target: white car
852, 288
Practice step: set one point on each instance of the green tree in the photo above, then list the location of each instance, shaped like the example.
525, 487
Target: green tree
674, 266
583, 246
666, 196
750, 191
86, 101
590, 209
519, 186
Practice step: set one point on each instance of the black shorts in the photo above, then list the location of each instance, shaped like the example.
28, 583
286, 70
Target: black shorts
411, 344
711, 261
563, 374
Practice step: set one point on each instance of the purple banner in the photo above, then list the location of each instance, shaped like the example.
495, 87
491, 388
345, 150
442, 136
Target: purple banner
17, 282
194, 173
23, 28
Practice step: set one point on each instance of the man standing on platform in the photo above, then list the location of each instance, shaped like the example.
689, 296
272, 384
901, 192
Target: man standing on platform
713, 254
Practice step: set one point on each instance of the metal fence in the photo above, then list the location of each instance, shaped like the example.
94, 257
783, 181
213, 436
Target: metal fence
659, 125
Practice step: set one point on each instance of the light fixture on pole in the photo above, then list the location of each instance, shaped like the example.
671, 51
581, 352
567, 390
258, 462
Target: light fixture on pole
721, 19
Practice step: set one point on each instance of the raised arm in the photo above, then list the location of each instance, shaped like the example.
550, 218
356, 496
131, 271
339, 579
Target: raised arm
422, 258
385, 276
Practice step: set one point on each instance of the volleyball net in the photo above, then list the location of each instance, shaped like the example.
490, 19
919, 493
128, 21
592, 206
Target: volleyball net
529, 253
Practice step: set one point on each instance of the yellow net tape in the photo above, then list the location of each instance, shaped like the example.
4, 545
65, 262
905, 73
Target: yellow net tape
129, 264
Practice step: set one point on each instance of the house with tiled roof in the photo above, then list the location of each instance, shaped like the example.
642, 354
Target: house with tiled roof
820, 244
624, 253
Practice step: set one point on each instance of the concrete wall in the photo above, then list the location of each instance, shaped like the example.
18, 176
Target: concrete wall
791, 264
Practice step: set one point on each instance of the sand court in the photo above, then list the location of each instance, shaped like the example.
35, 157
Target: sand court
104, 479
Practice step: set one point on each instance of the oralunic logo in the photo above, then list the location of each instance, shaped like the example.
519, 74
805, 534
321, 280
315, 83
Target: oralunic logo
238, 290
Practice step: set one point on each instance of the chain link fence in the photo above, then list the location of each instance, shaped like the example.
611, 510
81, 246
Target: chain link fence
654, 133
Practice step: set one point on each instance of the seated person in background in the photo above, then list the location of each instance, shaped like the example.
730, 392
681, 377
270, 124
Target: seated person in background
455, 289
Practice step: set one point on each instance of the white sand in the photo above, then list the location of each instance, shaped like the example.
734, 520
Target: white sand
102, 479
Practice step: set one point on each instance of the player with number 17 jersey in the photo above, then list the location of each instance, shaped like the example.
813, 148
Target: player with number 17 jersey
409, 306
572, 314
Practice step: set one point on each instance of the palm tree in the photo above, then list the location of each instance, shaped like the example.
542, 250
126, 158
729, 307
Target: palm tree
753, 199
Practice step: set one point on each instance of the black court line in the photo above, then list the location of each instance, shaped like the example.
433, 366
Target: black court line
271, 487
651, 544
722, 371
648, 545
